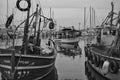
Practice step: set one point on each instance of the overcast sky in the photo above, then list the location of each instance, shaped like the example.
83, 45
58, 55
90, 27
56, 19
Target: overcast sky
101, 4
63, 11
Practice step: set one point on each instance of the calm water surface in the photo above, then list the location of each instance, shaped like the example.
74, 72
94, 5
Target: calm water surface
69, 68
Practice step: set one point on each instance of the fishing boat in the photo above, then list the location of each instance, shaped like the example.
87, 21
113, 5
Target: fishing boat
103, 55
30, 59
68, 38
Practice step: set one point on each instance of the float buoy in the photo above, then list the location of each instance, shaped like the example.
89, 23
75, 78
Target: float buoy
9, 20
51, 25
23, 9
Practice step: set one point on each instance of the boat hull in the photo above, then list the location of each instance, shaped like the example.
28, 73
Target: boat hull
26, 66
91, 72
67, 43
97, 59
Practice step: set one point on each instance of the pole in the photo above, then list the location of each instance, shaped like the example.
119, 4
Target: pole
12, 73
79, 25
84, 17
94, 19
90, 16
111, 21
38, 41
25, 38
92, 13
50, 12
7, 9
36, 20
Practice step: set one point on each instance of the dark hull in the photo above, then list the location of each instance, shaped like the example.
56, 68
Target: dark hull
51, 76
68, 43
92, 73
27, 67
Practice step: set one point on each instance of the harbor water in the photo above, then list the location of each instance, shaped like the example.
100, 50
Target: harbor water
71, 68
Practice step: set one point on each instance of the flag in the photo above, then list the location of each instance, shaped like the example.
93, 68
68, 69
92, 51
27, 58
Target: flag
9, 21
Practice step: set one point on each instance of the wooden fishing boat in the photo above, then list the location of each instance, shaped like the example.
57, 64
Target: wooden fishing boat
68, 38
104, 55
28, 60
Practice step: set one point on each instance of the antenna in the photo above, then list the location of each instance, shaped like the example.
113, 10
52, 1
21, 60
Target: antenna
79, 25
7, 9
50, 12
84, 17
94, 18
90, 18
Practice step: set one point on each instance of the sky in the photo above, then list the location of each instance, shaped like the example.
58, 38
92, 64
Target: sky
66, 12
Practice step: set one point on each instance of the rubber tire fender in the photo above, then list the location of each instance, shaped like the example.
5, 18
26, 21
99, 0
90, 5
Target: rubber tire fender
114, 67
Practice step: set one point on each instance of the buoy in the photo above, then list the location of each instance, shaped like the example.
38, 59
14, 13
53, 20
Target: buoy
51, 25
23, 9
105, 67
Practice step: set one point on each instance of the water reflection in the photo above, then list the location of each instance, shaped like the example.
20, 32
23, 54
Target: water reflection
71, 52
92, 74
70, 63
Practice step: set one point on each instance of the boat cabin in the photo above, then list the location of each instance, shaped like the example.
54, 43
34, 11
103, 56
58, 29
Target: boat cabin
108, 36
68, 33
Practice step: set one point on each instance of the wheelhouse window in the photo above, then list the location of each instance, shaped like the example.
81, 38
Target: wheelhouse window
109, 32
113, 32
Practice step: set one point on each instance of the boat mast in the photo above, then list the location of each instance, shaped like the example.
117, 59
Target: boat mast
111, 20
94, 17
50, 12
25, 38
84, 17
7, 9
38, 40
79, 25
36, 21
90, 17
